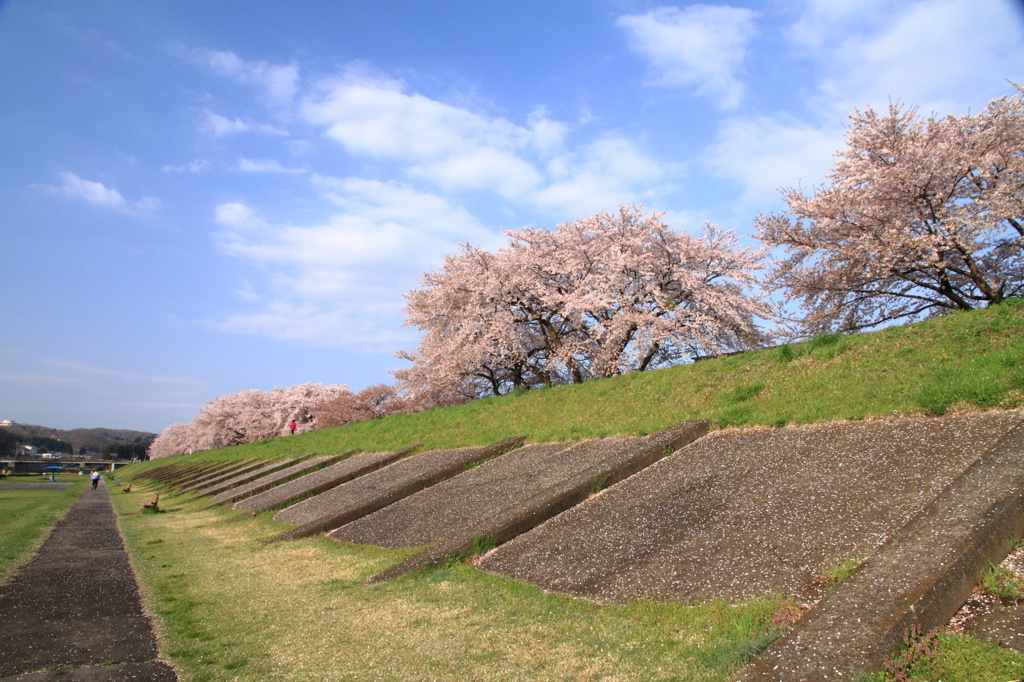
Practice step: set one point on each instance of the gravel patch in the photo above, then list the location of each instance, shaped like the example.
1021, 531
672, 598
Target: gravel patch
751, 512
376, 490
322, 480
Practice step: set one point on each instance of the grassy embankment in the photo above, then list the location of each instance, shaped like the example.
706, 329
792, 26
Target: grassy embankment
973, 360
28, 516
227, 608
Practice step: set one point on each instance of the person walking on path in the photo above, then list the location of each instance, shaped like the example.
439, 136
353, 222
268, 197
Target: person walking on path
74, 612
95, 479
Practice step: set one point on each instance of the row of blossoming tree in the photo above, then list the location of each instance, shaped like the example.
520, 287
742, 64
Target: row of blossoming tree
918, 216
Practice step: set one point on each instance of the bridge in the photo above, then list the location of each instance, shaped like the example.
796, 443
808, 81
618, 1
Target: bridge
39, 466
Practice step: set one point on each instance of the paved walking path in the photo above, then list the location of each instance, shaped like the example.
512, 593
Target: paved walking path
73, 612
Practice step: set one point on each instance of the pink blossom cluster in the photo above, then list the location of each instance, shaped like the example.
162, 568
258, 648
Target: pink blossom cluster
918, 217
595, 297
246, 417
373, 402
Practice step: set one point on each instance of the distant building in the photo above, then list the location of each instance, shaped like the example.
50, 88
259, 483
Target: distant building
6, 422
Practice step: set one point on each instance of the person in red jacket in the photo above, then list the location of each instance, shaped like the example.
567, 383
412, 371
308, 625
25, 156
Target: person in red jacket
291, 425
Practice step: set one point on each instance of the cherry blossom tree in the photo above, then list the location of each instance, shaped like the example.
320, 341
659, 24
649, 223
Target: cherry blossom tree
348, 407
176, 439
599, 296
918, 216
246, 417
374, 402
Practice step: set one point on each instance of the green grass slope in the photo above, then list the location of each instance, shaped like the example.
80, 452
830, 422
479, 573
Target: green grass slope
970, 360
227, 607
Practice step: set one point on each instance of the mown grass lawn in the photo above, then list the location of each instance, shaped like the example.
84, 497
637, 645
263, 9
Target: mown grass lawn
28, 516
227, 608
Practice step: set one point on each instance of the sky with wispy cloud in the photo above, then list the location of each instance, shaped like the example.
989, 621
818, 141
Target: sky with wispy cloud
198, 198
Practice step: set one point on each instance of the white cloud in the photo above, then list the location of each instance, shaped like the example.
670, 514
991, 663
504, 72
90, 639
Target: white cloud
98, 194
222, 126
279, 82
822, 20
194, 167
450, 146
701, 47
267, 166
481, 168
338, 282
234, 214
944, 56
763, 154
548, 135
95, 193
609, 172
456, 149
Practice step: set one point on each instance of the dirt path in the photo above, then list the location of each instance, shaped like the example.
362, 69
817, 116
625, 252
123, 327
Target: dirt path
73, 612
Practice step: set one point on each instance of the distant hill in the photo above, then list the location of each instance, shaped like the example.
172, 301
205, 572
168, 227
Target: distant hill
93, 441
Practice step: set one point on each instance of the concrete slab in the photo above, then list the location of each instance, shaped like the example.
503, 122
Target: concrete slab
458, 503
241, 479
1003, 625
210, 472
378, 489
179, 474
267, 467
507, 496
918, 579
218, 478
167, 472
322, 480
271, 480
750, 512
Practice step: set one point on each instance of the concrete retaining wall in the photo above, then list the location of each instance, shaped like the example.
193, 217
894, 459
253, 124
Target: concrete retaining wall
209, 472
376, 490
919, 578
267, 482
202, 483
241, 479
509, 496
747, 513
322, 480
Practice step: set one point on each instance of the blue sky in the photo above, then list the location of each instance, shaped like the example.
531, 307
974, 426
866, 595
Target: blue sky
198, 198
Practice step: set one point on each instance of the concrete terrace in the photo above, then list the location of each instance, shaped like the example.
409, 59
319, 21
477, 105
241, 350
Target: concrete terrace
923, 504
